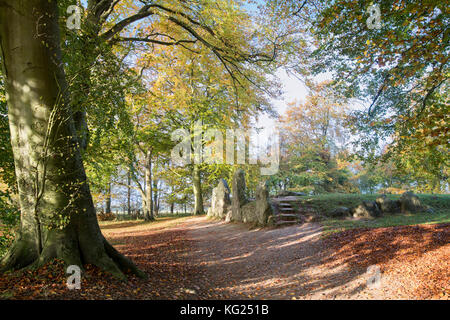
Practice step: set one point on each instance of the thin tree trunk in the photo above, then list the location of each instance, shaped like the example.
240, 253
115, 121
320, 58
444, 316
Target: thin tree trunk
144, 206
58, 218
108, 199
148, 203
157, 206
129, 194
155, 197
172, 203
143, 190
197, 186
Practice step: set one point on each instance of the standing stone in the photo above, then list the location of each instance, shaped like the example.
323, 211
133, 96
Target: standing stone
387, 205
249, 213
340, 212
367, 209
220, 200
228, 216
263, 207
410, 203
239, 199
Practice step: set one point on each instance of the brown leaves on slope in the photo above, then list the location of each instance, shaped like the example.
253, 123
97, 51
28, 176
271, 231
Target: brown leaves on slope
417, 256
159, 253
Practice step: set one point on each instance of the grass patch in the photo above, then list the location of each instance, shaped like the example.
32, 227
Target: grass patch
176, 215
324, 204
335, 225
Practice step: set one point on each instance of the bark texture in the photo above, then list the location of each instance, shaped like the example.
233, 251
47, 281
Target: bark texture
58, 218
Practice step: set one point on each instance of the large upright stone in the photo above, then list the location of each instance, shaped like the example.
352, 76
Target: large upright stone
410, 203
248, 213
367, 209
387, 205
339, 212
239, 199
220, 200
263, 207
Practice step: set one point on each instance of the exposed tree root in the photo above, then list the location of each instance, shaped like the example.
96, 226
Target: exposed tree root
123, 262
23, 255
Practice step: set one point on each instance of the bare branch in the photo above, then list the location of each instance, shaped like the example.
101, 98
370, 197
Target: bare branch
144, 12
165, 43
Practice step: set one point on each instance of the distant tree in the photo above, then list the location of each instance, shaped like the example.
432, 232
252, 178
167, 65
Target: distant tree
312, 139
400, 69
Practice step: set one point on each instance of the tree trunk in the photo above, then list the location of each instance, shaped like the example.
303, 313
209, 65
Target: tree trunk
198, 196
148, 203
58, 218
144, 206
129, 194
172, 203
108, 199
155, 198
436, 185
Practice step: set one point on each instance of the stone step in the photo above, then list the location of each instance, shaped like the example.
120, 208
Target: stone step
286, 210
284, 204
287, 217
285, 223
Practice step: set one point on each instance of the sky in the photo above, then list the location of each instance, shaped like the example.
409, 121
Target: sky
294, 90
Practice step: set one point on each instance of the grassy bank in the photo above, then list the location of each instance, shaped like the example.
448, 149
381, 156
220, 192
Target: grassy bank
324, 204
327, 202
335, 225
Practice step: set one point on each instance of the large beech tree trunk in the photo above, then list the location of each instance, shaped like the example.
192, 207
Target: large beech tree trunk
58, 218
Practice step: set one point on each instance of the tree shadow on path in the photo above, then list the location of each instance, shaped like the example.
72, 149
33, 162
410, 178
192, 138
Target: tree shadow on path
296, 262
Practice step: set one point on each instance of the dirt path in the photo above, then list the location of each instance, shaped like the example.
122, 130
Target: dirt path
196, 258
285, 263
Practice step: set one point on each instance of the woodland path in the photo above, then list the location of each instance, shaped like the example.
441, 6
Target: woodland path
284, 263
197, 258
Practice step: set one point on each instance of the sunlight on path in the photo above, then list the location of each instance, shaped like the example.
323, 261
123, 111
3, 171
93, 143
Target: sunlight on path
207, 259
283, 263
